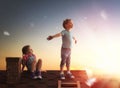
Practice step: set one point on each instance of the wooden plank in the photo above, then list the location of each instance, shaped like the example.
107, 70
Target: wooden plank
60, 84
78, 84
69, 83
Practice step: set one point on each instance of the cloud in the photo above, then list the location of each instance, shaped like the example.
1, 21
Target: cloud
85, 18
32, 24
103, 14
45, 17
6, 33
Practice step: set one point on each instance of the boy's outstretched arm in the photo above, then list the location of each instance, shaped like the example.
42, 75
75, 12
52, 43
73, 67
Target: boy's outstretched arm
53, 36
75, 40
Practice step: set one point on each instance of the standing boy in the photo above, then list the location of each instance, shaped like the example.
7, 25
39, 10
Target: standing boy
66, 47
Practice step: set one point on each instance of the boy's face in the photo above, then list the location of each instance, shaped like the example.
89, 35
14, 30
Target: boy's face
69, 25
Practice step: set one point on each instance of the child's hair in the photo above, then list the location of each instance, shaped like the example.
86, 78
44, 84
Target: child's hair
25, 49
65, 22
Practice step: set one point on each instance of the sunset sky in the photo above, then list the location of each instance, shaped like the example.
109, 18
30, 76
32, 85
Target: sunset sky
96, 28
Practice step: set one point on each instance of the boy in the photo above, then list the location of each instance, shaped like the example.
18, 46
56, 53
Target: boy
66, 47
29, 60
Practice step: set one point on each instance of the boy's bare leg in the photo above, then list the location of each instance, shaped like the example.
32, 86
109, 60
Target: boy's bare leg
69, 73
68, 68
62, 73
61, 70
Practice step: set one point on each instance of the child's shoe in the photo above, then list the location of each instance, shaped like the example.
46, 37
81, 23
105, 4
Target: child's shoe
33, 76
62, 76
39, 75
70, 75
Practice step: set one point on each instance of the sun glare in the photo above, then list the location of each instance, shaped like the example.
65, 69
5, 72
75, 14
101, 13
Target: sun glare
102, 46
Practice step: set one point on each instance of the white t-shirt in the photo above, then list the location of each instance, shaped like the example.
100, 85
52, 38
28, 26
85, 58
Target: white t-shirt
66, 39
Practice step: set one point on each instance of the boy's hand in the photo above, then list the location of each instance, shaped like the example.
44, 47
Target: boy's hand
49, 37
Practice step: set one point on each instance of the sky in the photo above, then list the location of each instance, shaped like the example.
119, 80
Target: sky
96, 28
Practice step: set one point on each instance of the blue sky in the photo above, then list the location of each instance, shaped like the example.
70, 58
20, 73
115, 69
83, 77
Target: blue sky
96, 27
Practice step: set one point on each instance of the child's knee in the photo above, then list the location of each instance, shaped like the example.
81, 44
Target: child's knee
39, 60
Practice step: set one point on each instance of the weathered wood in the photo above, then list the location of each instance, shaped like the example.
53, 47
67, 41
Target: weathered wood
68, 84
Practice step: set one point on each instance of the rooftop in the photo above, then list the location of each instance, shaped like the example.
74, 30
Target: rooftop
50, 80
51, 77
